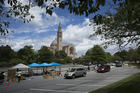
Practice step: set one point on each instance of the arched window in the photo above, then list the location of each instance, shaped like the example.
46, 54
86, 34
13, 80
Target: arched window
71, 50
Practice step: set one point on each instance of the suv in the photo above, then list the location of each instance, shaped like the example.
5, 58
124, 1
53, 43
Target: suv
75, 72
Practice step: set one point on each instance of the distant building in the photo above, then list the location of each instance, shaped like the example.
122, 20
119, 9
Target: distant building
58, 45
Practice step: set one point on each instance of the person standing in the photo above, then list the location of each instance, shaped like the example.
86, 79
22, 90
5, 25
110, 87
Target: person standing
88, 68
60, 74
18, 75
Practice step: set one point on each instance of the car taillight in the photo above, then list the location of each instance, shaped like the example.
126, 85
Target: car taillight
102, 68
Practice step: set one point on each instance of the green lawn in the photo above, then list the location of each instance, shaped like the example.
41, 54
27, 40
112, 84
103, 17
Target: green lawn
135, 64
127, 85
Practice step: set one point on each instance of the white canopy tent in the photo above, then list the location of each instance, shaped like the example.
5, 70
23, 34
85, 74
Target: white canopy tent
22, 66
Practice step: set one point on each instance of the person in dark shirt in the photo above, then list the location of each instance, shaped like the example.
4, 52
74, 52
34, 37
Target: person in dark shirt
1, 77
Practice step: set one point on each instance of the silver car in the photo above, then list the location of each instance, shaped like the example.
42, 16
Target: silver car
75, 72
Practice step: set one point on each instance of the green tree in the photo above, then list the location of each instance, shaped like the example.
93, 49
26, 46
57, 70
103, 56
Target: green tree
78, 61
133, 55
60, 54
4, 64
15, 61
6, 54
97, 54
138, 53
122, 55
108, 57
115, 58
26, 54
88, 56
68, 60
45, 55
121, 27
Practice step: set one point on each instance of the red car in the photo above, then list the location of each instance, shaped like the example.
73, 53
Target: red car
103, 68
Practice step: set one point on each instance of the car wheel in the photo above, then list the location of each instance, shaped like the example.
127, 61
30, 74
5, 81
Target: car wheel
84, 75
73, 76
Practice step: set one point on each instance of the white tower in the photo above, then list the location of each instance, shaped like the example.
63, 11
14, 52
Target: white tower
59, 38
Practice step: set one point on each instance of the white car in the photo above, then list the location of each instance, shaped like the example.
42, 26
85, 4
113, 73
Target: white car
75, 72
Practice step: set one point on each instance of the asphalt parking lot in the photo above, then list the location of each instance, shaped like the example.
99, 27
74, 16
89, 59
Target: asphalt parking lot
92, 81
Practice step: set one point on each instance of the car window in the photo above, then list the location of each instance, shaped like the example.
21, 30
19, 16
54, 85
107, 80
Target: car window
102, 66
79, 69
72, 70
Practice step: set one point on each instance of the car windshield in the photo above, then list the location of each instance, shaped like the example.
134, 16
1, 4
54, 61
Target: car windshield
72, 70
118, 63
101, 66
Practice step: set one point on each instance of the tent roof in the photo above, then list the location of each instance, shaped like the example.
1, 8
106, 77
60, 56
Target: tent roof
45, 64
34, 65
20, 66
55, 64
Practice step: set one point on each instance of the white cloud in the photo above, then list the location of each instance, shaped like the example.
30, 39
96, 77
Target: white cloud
41, 18
20, 42
79, 36
37, 12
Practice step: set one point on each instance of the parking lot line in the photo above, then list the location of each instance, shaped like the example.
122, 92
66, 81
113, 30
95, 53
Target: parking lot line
57, 90
79, 85
65, 84
91, 85
83, 80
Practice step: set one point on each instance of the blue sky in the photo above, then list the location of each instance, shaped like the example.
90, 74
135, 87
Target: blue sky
43, 28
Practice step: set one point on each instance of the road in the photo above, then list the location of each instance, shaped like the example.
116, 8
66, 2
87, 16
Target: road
92, 81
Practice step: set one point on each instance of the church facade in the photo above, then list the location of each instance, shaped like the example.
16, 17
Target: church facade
58, 45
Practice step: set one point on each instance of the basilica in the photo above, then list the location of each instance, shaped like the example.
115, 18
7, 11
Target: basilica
58, 45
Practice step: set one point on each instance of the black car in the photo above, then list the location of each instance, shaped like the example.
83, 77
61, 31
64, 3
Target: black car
103, 68
118, 64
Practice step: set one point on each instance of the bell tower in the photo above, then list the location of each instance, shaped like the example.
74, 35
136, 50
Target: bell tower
59, 38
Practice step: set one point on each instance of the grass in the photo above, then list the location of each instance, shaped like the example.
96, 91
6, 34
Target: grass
127, 85
135, 64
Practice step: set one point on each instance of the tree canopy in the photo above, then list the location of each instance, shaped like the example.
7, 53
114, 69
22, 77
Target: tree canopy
45, 55
6, 53
60, 54
27, 54
96, 54
15, 8
121, 27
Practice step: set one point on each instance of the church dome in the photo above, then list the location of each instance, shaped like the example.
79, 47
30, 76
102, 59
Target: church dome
54, 42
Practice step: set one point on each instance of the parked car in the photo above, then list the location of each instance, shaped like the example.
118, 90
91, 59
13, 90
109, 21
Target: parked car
103, 68
112, 64
27, 73
118, 64
75, 72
